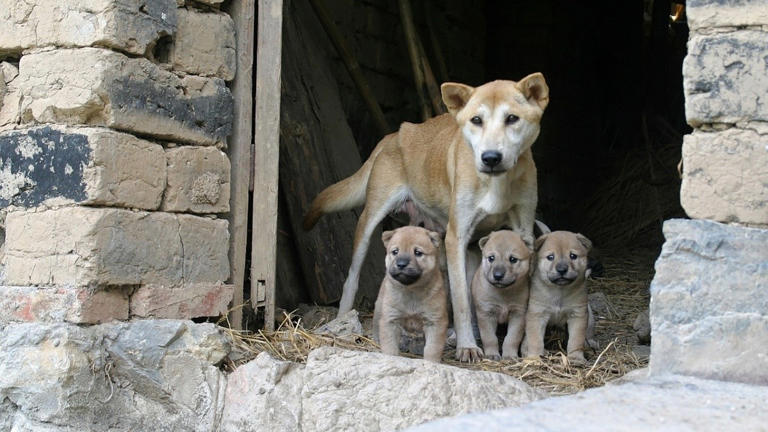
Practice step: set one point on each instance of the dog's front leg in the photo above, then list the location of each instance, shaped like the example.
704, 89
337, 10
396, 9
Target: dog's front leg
487, 324
577, 329
515, 330
535, 326
389, 335
434, 335
456, 241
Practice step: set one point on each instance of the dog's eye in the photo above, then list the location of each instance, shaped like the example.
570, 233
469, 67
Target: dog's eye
418, 253
551, 257
512, 119
476, 120
395, 251
573, 256
491, 258
513, 259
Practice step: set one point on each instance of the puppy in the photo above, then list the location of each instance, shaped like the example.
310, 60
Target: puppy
558, 294
500, 291
413, 296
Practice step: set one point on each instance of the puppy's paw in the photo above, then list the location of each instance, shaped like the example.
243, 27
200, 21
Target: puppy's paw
510, 356
469, 354
577, 358
492, 355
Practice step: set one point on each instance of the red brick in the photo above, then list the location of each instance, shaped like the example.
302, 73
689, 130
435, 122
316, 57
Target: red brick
75, 305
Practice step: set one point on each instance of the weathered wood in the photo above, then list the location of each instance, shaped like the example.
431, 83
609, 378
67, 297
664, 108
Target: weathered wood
442, 70
429, 79
266, 157
317, 149
406, 16
239, 149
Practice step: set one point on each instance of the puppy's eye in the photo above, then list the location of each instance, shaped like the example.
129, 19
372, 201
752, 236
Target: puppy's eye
511, 119
573, 256
395, 251
513, 259
417, 252
491, 258
476, 120
551, 257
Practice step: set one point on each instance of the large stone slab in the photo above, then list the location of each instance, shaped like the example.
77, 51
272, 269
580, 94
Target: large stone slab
56, 165
704, 14
9, 110
205, 53
671, 403
709, 311
340, 390
184, 302
95, 247
725, 78
120, 92
726, 176
60, 304
141, 376
133, 26
198, 180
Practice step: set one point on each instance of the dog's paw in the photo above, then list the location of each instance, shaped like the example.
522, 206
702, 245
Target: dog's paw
492, 355
469, 354
577, 358
510, 356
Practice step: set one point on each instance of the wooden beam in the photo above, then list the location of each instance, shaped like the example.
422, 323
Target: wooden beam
406, 16
266, 157
243, 14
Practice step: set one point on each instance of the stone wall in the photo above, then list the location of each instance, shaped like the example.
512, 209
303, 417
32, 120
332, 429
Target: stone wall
114, 179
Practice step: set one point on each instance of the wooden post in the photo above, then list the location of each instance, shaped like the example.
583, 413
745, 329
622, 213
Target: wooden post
406, 16
243, 13
266, 157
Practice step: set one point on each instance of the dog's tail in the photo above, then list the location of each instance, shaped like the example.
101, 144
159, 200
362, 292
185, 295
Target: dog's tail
344, 195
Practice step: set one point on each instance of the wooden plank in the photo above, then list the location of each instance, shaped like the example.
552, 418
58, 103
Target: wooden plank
243, 14
266, 156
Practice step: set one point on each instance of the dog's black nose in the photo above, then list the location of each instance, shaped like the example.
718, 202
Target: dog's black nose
491, 158
498, 275
561, 268
402, 262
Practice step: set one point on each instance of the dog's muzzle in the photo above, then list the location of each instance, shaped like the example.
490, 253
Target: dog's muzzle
405, 276
560, 280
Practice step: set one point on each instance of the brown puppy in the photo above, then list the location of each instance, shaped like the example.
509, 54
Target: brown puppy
559, 293
500, 291
413, 296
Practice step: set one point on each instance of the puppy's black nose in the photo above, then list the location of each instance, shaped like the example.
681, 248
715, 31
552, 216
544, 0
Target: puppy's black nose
561, 268
491, 158
498, 275
402, 262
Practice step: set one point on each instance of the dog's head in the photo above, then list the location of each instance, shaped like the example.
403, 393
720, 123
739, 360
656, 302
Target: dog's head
562, 257
499, 120
411, 252
506, 258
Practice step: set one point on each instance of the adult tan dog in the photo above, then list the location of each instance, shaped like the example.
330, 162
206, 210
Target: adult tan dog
413, 296
500, 292
559, 293
470, 171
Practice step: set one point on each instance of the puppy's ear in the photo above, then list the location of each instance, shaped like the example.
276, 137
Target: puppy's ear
435, 237
535, 89
587, 243
483, 241
455, 96
539, 242
386, 236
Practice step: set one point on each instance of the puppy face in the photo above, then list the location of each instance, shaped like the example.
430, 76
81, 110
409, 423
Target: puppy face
506, 258
499, 120
562, 257
411, 252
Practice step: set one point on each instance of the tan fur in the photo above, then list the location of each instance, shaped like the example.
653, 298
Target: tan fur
500, 292
421, 305
559, 304
438, 166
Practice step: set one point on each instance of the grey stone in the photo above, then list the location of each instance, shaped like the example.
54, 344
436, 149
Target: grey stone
705, 14
671, 403
53, 165
642, 327
313, 316
345, 325
147, 375
130, 94
726, 78
52, 304
709, 311
132, 26
340, 390
601, 306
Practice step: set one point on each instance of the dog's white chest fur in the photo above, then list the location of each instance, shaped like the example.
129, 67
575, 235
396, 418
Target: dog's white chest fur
497, 198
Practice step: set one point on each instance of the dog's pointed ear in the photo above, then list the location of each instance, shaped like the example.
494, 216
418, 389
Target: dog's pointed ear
587, 243
539, 242
436, 238
483, 241
535, 89
455, 96
386, 236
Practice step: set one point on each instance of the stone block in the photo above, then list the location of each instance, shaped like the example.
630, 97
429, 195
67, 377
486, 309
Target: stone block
709, 311
726, 176
198, 180
130, 94
204, 44
58, 165
184, 302
133, 26
149, 375
75, 305
9, 99
703, 14
91, 247
725, 78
